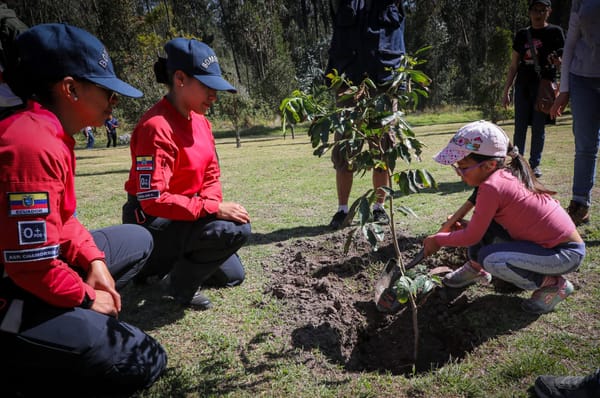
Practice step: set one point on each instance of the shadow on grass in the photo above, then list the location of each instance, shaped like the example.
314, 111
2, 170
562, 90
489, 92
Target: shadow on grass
449, 188
145, 306
284, 234
217, 379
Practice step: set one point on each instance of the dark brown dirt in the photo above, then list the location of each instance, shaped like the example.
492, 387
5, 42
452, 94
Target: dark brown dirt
331, 308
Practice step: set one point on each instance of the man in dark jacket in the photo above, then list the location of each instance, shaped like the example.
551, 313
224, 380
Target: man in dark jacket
367, 41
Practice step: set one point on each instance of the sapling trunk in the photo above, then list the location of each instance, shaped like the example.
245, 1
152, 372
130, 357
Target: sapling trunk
411, 297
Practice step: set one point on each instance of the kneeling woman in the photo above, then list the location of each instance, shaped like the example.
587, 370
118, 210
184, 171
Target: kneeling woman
59, 300
518, 232
174, 186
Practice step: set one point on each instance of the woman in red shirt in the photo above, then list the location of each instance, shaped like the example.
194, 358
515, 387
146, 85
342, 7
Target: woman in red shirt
174, 186
59, 300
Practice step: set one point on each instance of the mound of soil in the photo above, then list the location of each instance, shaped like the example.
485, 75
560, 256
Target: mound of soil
331, 307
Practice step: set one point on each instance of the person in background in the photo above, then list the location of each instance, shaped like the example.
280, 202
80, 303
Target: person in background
11, 27
111, 124
581, 82
536, 54
174, 186
59, 299
367, 41
88, 133
518, 232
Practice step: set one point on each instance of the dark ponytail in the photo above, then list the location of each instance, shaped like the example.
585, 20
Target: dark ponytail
160, 71
520, 168
28, 85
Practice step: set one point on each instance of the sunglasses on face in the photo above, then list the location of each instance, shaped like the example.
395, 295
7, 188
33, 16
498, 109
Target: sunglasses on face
110, 94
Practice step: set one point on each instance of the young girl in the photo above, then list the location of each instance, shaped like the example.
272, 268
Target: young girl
518, 232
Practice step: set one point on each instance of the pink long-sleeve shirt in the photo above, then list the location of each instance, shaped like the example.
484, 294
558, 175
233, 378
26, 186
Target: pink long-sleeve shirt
525, 215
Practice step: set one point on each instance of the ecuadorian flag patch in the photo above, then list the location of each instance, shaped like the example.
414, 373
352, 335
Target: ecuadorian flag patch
28, 203
144, 163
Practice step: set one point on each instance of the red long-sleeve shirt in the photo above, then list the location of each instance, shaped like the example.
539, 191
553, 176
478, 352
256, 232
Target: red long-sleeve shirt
40, 239
174, 171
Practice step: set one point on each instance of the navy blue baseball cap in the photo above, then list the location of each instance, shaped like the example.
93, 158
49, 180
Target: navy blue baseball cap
196, 59
57, 50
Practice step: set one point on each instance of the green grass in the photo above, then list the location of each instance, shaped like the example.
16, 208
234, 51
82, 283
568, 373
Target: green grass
290, 194
443, 116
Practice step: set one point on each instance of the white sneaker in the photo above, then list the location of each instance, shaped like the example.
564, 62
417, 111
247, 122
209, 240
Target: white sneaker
466, 275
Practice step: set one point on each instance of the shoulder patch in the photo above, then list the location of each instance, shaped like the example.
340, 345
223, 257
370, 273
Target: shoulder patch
32, 232
154, 194
145, 181
143, 163
28, 204
21, 256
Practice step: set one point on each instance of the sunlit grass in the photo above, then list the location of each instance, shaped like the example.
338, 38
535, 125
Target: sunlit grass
290, 194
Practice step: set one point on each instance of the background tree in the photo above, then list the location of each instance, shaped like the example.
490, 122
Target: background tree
268, 47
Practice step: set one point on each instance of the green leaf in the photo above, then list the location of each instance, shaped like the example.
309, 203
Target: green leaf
419, 77
406, 211
403, 288
364, 210
378, 231
370, 236
319, 131
348, 242
403, 182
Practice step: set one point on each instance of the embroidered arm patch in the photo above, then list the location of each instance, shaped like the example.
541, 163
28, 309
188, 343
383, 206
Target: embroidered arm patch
38, 254
28, 204
32, 232
154, 194
144, 163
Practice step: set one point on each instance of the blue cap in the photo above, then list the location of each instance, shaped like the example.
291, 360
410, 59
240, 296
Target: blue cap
57, 50
196, 59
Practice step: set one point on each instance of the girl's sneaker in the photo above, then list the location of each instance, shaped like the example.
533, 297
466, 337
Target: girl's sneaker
544, 299
466, 275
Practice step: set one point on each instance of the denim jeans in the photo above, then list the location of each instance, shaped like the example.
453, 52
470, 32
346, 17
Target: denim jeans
585, 106
523, 263
90, 140
525, 114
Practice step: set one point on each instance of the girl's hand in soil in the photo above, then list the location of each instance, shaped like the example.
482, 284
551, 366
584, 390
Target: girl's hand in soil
430, 246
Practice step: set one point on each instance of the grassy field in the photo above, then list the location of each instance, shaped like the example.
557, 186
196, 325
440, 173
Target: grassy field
290, 194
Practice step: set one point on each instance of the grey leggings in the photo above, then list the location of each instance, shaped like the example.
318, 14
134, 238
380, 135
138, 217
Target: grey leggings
523, 263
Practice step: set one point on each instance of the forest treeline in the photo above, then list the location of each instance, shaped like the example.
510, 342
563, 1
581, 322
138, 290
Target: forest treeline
267, 48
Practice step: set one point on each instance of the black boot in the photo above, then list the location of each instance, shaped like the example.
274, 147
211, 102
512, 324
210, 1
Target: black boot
568, 386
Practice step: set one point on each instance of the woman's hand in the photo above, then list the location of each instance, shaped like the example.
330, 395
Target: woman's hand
559, 105
105, 304
233, 212
101, 280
